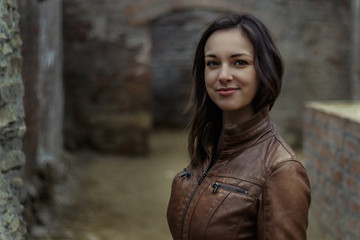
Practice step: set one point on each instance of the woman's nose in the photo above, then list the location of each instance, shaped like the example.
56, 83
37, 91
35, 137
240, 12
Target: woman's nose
225, 74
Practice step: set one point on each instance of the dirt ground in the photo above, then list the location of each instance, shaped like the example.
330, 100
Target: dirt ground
118, 198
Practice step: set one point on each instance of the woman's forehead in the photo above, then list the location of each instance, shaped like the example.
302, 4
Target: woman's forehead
228, 41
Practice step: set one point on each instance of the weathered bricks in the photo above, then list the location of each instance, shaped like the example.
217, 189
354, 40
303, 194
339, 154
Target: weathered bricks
334, 168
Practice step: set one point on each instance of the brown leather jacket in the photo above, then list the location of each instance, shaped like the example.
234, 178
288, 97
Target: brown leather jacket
257, 189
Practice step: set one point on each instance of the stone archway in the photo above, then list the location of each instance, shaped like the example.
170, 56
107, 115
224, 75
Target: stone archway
146, 11
174, 39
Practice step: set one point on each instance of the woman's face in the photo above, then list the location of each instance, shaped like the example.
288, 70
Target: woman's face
230, 76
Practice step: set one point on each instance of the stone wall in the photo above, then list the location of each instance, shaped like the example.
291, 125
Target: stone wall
116, 51
332, 159
12, 126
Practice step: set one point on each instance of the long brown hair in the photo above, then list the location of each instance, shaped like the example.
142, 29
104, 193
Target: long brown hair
269, 71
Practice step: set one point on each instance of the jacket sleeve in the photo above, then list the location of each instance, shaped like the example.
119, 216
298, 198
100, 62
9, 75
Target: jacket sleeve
284, 203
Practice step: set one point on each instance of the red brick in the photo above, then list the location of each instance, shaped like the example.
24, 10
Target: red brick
335, 122
316, 196
322, 181
319, 165
351, 183
355, 129
339, 231
317, 131
316, 213
329, 222
351, 224
344, 200
335, 138
343, 161
324, 151
314, 145
338, 177
307, 156
321, 117
327, 202
313, 177
331, 190
355, 207
327, 170
351, 146
312, 113
332, 155
347, 125
355, 168
325, 134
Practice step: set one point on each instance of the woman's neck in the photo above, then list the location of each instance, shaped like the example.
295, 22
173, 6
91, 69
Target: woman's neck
232, 118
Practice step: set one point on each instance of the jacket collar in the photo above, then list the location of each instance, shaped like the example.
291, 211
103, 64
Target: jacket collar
237, 138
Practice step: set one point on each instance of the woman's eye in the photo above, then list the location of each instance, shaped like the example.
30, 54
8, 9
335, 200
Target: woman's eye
211, 63
241, 62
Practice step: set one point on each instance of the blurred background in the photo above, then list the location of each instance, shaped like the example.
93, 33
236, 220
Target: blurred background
105, 83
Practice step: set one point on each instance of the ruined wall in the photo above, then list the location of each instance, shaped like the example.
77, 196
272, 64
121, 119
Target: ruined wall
41, 31
12, 126
106, 78
332, 159
116, 50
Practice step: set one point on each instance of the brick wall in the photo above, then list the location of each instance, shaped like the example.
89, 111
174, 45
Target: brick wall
331, 135
12, 126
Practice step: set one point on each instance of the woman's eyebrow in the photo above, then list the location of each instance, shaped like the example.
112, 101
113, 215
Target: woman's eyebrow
211, 55
232, 56
240, 55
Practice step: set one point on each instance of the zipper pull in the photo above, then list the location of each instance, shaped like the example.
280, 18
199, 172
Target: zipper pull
202, 178
186, 174
215, 186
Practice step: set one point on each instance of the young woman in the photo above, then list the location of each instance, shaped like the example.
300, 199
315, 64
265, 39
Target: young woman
243, 180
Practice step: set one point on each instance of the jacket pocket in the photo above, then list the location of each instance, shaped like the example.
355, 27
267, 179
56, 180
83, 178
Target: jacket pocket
230, 188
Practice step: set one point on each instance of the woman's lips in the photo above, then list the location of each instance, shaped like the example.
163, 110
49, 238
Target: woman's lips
226, 91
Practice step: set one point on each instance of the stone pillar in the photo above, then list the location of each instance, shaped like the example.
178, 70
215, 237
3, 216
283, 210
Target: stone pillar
41, 32
355, 71
12, 126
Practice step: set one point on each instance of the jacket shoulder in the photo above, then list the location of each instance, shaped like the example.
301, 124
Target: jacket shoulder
278, 153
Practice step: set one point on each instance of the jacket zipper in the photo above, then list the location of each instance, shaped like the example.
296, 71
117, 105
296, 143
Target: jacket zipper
186, 174
198, 185
188, 203
230, 188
